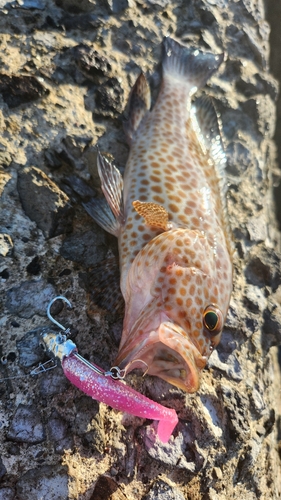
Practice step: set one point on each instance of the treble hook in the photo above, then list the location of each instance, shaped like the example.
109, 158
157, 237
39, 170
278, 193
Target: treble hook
61, 297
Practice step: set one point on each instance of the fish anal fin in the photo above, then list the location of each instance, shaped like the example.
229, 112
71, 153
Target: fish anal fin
139, 104
207, 127
206, 123
112, 186
154, 215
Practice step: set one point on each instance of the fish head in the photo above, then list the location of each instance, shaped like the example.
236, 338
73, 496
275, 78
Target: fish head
175, 308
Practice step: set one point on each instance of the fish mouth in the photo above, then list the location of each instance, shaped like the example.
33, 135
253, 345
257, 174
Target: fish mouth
167, 353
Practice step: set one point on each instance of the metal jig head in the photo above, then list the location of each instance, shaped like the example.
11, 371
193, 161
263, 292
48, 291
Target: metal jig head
61, 347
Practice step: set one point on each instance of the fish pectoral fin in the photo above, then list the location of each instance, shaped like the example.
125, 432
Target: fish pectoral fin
112, 187
139, 104
154, 215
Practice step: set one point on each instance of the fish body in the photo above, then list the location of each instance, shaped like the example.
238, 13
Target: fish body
169, 217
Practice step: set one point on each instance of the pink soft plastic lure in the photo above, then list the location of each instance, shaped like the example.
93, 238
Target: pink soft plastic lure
101, 385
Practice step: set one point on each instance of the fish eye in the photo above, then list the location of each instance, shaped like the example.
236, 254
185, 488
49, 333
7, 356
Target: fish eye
213, 320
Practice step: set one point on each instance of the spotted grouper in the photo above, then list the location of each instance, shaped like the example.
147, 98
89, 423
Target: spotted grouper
169, 214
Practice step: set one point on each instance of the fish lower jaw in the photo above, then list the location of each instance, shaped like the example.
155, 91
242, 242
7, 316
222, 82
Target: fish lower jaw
165, 353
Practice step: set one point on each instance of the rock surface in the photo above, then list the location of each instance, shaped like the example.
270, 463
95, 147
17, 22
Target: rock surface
67, 70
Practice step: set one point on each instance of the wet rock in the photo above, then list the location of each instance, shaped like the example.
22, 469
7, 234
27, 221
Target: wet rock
163, 491
43, 202
92, 64
17, 90
86, 248
7, 493
26, 426
6, 245
29, 298
109, 98
49, 482
30, 349
3, 469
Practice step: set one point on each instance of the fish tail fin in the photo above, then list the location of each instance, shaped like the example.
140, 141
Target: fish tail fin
188, 64
139, 104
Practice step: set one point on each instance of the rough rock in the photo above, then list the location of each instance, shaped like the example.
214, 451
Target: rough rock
45, 482
3, 469
88, 54
26, 426
44, 202
17, 90
164, 491
30, 349
7, 493
6, 245
29, 298
107, 489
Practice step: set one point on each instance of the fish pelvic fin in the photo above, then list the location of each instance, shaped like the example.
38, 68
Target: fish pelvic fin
188, 64
102, 214
139, 104
154, 215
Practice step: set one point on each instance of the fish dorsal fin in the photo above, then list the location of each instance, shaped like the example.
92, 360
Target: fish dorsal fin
139, 104
207, 126
112, 186
108, 213
154, 215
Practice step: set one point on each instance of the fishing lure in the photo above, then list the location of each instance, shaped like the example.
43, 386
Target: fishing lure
104, 386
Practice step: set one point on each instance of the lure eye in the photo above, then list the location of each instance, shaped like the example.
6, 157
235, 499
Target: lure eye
213, 320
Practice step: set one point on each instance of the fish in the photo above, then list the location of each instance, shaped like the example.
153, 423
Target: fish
169, 215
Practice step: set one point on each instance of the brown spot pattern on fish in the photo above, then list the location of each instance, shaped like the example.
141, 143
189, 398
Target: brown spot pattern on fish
176, 270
